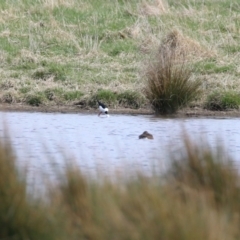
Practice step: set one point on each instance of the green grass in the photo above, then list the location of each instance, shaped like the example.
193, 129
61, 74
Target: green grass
131, 99
210, 67
72, 95
126, 99
58, 72
34, 99
24, 89
223, 100
119, 46
231, 49
105, 43
106, 96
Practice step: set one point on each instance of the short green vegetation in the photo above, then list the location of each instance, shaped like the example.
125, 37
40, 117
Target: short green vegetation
128, 99
106, 96
72, 95
131, 99
89, 45
34, 99
210, 67
219, 101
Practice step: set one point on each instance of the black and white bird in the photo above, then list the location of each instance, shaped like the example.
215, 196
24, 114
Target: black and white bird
102, 108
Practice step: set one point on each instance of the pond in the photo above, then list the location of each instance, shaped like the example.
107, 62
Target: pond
43, 141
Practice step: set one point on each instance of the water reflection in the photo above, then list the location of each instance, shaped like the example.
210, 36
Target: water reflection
45, 139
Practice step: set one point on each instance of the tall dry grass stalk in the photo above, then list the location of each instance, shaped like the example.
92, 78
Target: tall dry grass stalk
210, 172
22, 217
198, 198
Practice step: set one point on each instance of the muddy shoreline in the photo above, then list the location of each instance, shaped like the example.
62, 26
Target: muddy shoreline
186, 112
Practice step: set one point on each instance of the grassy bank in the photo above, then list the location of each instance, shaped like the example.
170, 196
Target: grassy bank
197, 198
66, 52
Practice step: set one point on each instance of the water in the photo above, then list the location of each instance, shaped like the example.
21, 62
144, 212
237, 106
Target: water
109, 144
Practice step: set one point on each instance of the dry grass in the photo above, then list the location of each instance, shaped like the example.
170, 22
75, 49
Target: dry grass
184, 45
92, 46
198, 198
22, 217
158, 8
168, 83
201, 186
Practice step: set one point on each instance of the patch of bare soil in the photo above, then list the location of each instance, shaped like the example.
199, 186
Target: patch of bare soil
187, 112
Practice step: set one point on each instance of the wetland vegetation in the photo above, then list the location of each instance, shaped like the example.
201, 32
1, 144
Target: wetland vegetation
65, 53
197, 198
69, 53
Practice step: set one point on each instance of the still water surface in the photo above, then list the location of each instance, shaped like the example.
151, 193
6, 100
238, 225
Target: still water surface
109, 144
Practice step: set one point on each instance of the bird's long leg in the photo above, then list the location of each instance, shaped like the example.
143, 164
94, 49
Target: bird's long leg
99, 113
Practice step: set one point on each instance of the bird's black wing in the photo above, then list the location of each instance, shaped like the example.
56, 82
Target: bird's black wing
101, 104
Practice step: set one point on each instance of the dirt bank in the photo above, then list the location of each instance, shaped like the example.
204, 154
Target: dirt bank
186, 112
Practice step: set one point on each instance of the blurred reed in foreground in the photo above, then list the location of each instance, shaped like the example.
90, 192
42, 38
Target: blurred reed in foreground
198, 198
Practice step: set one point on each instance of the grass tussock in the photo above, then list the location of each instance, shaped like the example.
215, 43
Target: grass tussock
34, 99
159, 7
184, 45
197, 198
168, 83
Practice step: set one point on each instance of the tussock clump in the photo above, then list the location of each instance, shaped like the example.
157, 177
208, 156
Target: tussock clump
7, 98
25, 60
5, 85
29, 56
51, 71
148, 44
180, 44
168, 85
134, 32
34, 99
42, 73
158, 8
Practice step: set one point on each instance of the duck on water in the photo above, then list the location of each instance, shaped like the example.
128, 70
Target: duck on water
146, 134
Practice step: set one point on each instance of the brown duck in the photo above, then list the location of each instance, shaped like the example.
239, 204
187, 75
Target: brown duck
146, 134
